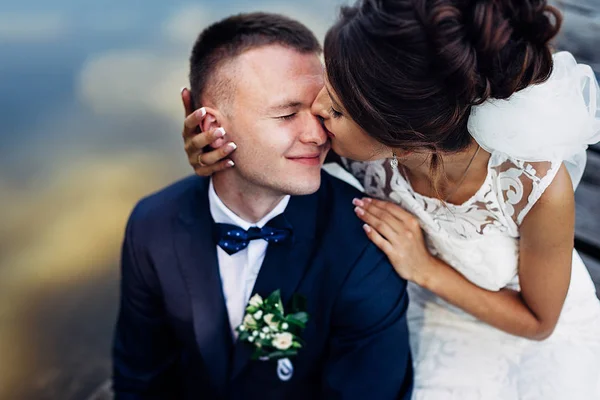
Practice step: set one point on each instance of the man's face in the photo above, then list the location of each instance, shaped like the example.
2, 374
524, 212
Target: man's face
281, 145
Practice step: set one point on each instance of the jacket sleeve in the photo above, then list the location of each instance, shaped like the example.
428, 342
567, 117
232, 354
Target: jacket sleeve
144, 350
369, 354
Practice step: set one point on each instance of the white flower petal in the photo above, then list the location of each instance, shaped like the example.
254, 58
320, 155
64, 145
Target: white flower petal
283, 341
249, 321
269, 320
256, 301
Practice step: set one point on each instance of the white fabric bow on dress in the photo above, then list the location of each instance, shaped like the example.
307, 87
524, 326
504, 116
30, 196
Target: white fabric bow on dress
554, 120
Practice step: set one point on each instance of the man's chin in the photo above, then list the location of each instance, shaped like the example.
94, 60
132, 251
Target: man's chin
306, 189
301, 186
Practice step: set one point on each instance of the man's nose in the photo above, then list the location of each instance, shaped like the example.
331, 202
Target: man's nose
314, 132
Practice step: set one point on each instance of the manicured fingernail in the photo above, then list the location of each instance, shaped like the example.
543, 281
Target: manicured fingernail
358, 202
367, 228
182, 89
231, 146
359, 211
230, 163
367, 200
219, 132
202, 112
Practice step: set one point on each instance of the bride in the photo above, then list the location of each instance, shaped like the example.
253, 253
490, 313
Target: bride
469, 138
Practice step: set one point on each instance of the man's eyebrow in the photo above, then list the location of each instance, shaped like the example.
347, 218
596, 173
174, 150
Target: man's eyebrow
335, 104
285, 106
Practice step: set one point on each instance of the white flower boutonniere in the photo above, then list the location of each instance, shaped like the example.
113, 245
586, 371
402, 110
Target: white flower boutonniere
273, 334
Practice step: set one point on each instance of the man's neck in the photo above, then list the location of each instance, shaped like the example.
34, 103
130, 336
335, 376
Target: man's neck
246, 200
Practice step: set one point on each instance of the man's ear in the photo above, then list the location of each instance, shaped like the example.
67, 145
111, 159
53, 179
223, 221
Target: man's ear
212, 120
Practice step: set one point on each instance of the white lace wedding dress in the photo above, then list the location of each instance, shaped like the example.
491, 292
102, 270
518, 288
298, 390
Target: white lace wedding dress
459, 357
528, 136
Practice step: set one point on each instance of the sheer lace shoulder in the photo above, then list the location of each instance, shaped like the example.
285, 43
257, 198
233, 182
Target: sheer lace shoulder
356, 168
520, 184
509, 192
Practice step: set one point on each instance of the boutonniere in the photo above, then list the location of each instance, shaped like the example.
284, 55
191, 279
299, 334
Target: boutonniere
273, 334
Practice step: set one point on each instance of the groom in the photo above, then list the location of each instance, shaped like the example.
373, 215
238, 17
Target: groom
197, 251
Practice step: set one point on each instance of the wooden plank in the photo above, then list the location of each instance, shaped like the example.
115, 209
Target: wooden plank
104, 392
593, 265
587, 206
585, 7
587, 212
591, 174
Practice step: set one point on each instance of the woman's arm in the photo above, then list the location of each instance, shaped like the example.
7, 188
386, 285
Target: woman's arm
546, 248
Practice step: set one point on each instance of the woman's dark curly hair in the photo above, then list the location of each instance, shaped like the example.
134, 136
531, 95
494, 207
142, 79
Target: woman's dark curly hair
409, 71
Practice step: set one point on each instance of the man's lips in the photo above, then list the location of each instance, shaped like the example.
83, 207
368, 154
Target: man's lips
310, 159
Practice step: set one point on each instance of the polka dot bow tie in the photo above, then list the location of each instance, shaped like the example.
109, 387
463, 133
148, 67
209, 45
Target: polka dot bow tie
232, 238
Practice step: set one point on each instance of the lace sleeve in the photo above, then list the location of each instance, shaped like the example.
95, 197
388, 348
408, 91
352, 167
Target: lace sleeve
356, 168
521, 184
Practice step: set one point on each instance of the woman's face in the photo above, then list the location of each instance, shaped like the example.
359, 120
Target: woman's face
347, 138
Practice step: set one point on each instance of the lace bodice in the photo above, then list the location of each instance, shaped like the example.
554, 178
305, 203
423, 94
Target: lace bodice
479, 238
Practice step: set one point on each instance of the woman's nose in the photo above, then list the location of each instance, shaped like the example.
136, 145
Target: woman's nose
319, 106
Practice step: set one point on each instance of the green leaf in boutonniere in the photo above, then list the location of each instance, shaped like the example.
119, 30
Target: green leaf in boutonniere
298, 319
273, 334
299, 303
274, 301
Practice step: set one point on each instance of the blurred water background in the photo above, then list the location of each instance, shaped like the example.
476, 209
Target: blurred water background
90, 121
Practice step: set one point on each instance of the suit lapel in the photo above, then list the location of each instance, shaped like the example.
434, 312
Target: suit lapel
197, 255
285, 264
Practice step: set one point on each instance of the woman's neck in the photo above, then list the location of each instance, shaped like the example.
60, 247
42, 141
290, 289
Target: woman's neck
454, 164
464, 170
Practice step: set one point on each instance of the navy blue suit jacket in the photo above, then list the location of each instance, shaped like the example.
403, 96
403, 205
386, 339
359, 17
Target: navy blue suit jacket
173, 339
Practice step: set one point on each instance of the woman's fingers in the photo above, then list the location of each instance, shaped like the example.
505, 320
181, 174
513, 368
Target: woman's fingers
378, 240
380, 225
218, 143
388, 209
203, 139
214, 156
381, 214
192, 122
196, 143
208, 170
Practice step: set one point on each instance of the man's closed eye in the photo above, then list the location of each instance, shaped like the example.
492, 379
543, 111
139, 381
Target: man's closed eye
287, 117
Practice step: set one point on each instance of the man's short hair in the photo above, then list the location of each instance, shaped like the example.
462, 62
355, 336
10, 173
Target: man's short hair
229, 38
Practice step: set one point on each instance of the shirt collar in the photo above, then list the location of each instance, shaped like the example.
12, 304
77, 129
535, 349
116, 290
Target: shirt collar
223, 215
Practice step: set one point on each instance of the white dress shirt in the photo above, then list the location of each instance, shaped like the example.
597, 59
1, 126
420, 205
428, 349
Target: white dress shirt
240, 270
